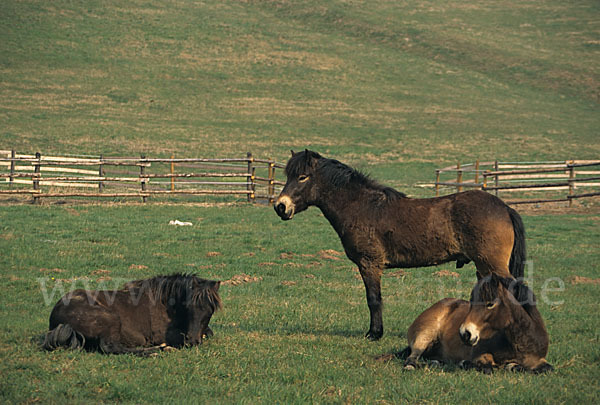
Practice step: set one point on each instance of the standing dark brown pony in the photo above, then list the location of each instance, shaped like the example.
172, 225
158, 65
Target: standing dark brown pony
381, 228
499, 326
141, 318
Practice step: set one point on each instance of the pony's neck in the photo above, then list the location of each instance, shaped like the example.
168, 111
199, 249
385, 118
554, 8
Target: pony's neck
338, 205
527, 333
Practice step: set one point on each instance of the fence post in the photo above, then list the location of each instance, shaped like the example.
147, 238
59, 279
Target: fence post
271, 176
437, 183
496, 176
36, 177
477, 171
250, 178
12, 166
143, 179
101, 174
571, 182
459, 175
253, 184
172, 173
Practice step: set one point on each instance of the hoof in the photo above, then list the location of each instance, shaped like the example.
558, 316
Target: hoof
373, 336
515, 367
410, 364
208, 333
435, 363
487, 370
544, 368
166, 348
465, 365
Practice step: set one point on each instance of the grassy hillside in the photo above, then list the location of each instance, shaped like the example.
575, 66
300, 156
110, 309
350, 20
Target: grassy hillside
383, 84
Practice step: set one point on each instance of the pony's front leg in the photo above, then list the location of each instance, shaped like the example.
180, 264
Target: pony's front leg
485, 363
542, 367
372, 278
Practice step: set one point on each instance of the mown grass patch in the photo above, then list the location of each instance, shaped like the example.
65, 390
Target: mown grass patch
393, 82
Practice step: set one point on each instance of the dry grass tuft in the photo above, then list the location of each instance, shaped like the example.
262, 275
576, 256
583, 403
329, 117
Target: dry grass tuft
585, 280
446, 273
241, 279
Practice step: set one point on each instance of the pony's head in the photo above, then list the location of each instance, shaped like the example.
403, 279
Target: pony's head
203, 301
312, 178
490, 307
300, 190
189, 299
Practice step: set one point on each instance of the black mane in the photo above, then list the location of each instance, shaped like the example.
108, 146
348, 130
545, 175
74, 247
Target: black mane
335, 173
300, 163
188, 289
486, 290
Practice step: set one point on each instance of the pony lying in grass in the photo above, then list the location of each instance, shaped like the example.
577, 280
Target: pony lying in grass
500, 326
143, 317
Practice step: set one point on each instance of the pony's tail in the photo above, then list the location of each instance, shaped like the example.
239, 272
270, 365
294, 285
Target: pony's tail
518, 256
63, 336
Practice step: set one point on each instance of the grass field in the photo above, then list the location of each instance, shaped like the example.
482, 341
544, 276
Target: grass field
293, 332
394, 88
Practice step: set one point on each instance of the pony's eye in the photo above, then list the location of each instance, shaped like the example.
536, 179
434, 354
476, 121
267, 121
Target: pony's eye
302, 178
492, 304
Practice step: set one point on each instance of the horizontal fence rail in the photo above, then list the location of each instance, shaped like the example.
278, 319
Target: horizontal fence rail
44, 176
536, 182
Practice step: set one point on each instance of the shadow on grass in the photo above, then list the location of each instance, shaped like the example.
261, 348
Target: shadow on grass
300, 330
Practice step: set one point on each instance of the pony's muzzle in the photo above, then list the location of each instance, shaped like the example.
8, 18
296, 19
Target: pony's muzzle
284, 207
469, 334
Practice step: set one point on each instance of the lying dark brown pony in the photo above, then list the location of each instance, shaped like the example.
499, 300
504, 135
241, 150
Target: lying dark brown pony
381, 228
499, 326
141, 318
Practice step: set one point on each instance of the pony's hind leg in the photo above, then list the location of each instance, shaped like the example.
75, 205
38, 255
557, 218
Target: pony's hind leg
494, 252
496, 266
421, 343
411, 363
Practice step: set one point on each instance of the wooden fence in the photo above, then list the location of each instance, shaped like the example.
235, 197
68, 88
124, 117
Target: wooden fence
532, 182
44, 176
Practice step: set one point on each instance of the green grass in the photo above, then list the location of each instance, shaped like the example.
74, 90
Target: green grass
394, 88
296, 334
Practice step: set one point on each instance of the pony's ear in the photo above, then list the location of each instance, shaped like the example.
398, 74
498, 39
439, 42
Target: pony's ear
311, 158
293, 153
